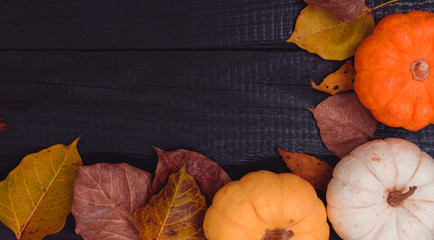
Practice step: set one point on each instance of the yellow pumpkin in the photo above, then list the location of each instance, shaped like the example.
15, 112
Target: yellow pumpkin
267, 206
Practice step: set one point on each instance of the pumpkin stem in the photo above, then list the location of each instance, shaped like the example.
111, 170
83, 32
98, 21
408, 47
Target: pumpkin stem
396, 197
277, 234
420, 70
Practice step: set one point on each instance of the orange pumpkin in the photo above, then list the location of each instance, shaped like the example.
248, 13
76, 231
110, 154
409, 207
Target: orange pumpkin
268, 206
394, 67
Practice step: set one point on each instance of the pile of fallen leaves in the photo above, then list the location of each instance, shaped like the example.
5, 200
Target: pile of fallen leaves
119, 201
109, 201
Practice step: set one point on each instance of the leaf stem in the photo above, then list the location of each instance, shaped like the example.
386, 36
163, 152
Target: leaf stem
384, 4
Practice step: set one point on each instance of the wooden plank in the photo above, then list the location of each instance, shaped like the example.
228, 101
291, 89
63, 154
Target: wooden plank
138, 24
232, 106
201, 100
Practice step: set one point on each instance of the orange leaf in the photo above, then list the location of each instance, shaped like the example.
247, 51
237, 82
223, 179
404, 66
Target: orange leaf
339, 81
316, 172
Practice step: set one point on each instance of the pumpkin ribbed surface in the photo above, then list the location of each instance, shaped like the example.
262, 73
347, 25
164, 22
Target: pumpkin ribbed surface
383, 190
267, 206
395, 70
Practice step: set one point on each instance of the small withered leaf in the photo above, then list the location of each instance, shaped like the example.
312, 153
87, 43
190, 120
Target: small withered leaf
316, 172
339, 81
3, 125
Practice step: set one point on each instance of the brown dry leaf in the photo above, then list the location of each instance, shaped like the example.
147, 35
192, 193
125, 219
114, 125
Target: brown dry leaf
344, 123
36, 197
106, 197
208, 174
3, 125
346, 10
339, 81
316, 172
177, 212
321, 32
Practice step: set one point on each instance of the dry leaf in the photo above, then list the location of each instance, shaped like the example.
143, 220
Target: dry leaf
3, 125
208, 174
339, 81
36, 197
321, 32
177, 212
346, 10
316, 172
106, 197
344, 123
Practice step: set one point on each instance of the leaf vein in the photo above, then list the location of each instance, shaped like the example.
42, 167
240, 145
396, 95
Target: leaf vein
28, 192
67, 155
125, 214
13, 210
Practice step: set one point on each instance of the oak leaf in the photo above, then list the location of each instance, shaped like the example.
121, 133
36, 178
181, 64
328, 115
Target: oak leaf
3, 125
344, 123
106, 197
36, 196
321, 32
177, 212
346, 10
208, 174
339, 81
316, 172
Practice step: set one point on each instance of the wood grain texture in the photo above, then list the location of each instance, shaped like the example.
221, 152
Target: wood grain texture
214, 77
136, 24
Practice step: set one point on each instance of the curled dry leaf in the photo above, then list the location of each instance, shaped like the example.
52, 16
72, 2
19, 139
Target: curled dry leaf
316, 172
339, 81
208, 174
3, 125
36, 197
321, 32
346, 10
177, 212
106, 197
344, 123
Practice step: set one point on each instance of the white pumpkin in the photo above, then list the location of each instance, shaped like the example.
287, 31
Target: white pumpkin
383, 190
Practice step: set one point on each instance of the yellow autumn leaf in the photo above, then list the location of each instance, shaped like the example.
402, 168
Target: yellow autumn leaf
321, 32
176, 213
339, 81
36, 197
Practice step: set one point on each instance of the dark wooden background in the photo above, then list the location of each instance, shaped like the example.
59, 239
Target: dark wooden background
211, 76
